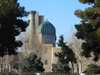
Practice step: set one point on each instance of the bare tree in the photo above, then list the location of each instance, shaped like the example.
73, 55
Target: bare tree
8, 61
25, 48
36, 48
75, 45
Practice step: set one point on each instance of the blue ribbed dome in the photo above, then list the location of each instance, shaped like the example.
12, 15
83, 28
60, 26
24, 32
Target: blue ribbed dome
46, 28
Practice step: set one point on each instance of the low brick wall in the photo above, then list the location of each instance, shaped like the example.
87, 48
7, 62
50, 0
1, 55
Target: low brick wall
14, 73
91, 74
32, 73
59, 73
45, 73
94, 74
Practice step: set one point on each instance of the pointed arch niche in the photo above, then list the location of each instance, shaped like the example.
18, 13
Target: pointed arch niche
46, 62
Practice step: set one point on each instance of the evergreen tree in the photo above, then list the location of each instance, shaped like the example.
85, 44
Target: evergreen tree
66, 54
59, 67
32, 63
11, 25
89, 28
93, 69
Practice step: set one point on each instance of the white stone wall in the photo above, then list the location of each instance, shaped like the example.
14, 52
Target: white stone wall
55, 50
46, 55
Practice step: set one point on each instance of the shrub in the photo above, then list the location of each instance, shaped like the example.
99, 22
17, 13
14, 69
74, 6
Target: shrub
32, 63
59, 67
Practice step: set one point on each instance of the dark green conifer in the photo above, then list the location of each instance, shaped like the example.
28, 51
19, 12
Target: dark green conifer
64, 57
11, 25
93, 69
89, 28
32, 63
66, 54
59, 67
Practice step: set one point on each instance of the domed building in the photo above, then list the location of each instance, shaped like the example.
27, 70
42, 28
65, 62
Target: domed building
47, 33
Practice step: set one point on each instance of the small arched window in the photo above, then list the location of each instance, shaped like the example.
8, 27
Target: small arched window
1, 65
46, 62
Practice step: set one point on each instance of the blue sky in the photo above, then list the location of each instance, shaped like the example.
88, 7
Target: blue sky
59, 12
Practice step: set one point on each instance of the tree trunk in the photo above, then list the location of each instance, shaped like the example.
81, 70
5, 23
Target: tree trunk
9, 68
80, 67
72, 68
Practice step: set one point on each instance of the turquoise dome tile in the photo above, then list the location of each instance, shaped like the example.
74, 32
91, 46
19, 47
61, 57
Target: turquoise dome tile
46, 28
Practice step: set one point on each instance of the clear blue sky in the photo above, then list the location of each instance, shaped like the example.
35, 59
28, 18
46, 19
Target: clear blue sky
59, 12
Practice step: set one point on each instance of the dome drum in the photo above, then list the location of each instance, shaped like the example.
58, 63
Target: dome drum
48, 39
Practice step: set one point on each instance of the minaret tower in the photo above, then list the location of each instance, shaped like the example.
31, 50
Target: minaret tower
31, 29
34, 21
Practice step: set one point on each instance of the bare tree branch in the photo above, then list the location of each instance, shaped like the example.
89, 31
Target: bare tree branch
75, 45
